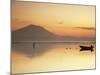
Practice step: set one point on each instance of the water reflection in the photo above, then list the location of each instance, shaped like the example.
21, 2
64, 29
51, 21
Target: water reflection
41, 48
29, 51
51, 57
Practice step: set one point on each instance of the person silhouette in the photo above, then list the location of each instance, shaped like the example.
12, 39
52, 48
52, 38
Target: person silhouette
91, 48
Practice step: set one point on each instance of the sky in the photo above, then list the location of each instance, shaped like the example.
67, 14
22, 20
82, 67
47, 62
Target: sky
61, 19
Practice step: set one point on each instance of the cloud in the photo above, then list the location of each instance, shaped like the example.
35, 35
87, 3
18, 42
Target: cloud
86, 28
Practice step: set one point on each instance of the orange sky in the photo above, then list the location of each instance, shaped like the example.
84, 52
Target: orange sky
61, 19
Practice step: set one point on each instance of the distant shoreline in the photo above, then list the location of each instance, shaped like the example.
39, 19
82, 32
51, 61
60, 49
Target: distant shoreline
53, 42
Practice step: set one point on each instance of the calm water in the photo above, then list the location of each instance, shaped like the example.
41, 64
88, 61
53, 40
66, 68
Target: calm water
45, 57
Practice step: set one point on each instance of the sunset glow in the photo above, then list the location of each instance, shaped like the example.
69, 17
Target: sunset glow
59, 19
50, 37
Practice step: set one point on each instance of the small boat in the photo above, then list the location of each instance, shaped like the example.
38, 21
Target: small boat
86, 48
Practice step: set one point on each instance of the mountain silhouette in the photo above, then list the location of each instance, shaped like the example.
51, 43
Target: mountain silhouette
33, 33
38, 33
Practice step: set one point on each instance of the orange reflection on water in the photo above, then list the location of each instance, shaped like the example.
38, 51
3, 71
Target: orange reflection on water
56, 59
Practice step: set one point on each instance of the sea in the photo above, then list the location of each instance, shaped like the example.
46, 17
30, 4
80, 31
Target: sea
36, 57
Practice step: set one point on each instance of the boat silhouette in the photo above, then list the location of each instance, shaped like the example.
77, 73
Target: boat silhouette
86, 48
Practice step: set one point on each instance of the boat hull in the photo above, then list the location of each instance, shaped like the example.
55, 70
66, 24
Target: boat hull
85, 48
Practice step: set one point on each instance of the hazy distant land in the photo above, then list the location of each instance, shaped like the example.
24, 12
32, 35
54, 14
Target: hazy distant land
38, 33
